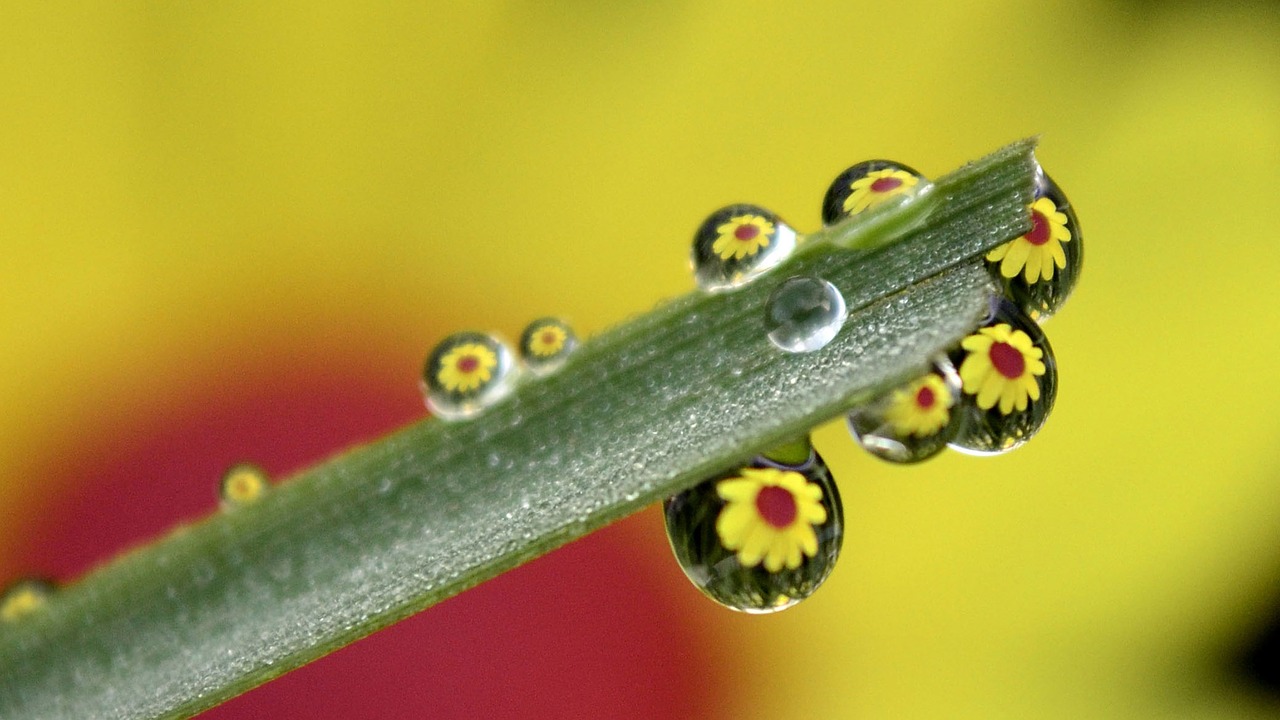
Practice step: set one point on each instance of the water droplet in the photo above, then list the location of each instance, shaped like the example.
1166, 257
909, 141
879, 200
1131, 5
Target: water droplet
871, 184
1039, 270
797, 453
1009, 380
23, 597
760, 539
546, 343
913, 422
738, 243
243, 484
465, 373
804, 313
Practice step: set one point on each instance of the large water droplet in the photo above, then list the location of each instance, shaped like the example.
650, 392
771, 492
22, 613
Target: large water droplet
465, 373
242, 485
546, 343
736, 244
23, 597
1009, 379
804, 313
1039, 270
760, 539
913, 422
869, 185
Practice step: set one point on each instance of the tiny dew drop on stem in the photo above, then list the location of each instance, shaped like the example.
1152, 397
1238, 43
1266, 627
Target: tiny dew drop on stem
545, 344
804, 314
243, 484
913, 422
24, 597
869, 185
737, 244
466, 373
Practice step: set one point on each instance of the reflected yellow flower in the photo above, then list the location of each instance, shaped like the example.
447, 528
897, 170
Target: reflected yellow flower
876, 187
770, 517
743, 235
466, 367
1002, 364
921, 408
547, 340
1037, 253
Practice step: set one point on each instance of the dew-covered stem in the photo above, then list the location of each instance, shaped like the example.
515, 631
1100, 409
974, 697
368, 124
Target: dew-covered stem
638, 413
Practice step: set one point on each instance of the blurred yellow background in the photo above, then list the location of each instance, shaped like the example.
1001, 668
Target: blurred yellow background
181, 183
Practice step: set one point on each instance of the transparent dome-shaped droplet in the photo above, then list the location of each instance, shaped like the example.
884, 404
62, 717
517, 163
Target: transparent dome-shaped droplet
804, 313
23, 597
465, 373
760, 539
869, 185
546, 343
1038, 271
913, 422
243, 484
1009, 380
736, 244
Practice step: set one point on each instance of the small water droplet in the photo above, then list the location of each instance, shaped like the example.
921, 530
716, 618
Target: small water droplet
913, 422
804, 314
384, 486
871, 184
761, 539
243, 484
466, 373
1037, 271
24, 597
738, 243
1009, 379
546, 343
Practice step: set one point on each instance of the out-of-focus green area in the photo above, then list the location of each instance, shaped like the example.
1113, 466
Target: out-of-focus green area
178, 180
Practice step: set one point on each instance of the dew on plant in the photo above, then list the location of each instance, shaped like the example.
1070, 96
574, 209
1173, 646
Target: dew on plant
759, 539
912, 422
24, 597
737, 244
545, 344
242, 484
804, 313
1038, 270
466, 373
1009, 381
869, 185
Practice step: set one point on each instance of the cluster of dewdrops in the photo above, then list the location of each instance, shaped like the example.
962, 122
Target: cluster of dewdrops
767, 535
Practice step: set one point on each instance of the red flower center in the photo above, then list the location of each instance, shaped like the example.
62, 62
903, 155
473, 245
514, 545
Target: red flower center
746, 232
885, 184
548, 338
925, 398
1039, 234
776, 505
468, 364
1007, 360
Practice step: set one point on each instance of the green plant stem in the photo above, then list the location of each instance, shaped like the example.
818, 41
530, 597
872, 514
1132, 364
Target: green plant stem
640, 412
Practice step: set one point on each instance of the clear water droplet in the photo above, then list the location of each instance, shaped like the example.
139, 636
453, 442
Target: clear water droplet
1009, 380
869, 185
1037, 271
243, 484
24, 597
466, 373
761, 539
804, 314
913, 422
738, 243
546, 343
